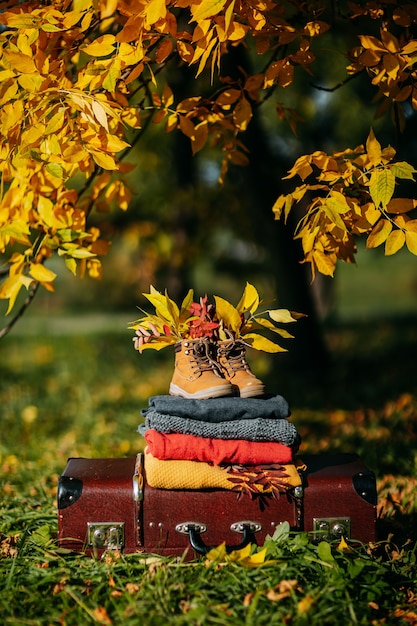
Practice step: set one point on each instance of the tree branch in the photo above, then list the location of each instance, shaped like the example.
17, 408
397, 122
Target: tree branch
338, 86
32, 292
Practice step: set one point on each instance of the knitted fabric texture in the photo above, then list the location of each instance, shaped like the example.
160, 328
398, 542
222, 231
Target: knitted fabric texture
279, 430
220, 409
175, 474
176, 446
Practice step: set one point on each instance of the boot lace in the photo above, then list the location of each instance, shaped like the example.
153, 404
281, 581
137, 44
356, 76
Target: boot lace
203, 360
234, 357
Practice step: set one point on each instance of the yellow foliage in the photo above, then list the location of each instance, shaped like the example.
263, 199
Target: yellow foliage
245, 556
171, 323
394, 242
101, 47
74, 76
41, 273
355, 198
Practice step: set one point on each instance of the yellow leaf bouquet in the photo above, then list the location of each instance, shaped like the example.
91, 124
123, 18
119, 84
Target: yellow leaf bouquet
218, 320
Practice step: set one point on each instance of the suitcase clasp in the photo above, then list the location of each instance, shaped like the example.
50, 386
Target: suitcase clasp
107, 535
239, 527
329, 528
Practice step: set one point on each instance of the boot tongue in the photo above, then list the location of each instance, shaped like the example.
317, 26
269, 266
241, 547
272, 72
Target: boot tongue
211, 351
200, 349
234, 351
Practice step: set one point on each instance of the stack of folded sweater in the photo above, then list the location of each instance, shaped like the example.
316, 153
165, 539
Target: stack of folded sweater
240, 444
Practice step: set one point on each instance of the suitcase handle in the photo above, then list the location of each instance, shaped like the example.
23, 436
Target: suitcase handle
194, 531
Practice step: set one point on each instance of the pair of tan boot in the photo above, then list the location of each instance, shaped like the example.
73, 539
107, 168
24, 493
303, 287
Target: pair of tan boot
209, 369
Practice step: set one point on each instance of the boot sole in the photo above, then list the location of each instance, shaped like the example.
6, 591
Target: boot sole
252, 391
203, 394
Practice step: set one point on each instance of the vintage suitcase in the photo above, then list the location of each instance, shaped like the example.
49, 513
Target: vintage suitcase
107, 504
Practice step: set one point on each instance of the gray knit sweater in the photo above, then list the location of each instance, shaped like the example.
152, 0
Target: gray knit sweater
258, 429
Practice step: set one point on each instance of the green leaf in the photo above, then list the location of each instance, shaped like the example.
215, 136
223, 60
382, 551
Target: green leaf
67, 235
381, 187
80, 253
71, 265
355, 568
324, 551
55, 169
41, 536
402, 169
282, 532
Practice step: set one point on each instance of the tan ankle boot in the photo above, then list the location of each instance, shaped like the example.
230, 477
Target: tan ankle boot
196, 373
232, 360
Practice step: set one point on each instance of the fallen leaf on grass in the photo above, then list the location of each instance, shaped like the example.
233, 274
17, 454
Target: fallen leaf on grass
282, 590
8, 546
111, 556
406, 616
248, 598
101, 615
58, 587
305, 605
132, 588
219, 555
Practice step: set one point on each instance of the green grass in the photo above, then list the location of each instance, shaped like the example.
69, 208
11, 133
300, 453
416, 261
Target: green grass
81, 395
377, 285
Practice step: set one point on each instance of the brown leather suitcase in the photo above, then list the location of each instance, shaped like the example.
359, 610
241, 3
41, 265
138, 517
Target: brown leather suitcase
107, 504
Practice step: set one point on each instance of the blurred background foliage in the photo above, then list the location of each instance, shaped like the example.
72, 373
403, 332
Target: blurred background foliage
185, 230
68, 370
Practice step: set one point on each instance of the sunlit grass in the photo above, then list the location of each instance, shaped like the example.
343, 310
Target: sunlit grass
81, 395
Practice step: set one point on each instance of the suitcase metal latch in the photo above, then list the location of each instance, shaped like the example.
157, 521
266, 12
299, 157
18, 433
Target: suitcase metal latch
107, 535
331, 528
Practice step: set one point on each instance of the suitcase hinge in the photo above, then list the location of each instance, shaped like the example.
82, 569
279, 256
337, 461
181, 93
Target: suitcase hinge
138, 479
107, 535
298, 493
